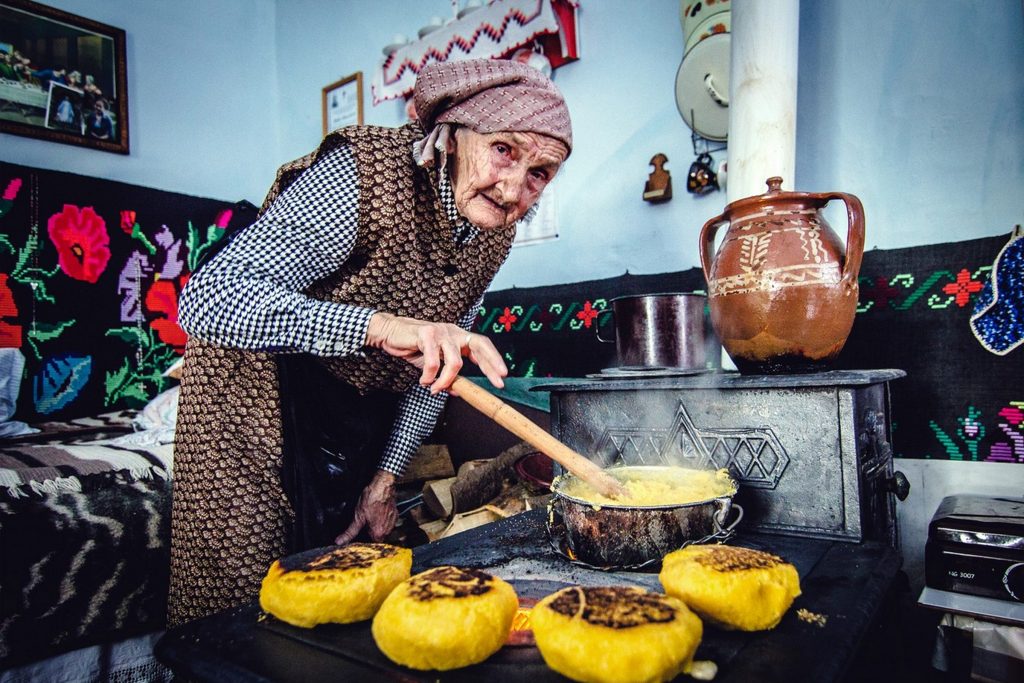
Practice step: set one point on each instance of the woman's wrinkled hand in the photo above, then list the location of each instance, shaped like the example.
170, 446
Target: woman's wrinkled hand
436, 348
376, 510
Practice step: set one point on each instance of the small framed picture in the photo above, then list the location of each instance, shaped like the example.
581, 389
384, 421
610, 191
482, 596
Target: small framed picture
62, 77
343, 103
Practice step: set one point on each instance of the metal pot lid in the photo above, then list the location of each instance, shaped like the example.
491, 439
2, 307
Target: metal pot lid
695, 13
702, 87
716, 23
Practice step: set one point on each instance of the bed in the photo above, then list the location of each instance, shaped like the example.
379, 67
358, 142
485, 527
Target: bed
85, 544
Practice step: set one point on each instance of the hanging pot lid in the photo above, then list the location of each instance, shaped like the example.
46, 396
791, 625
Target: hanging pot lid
702, 87
716, 23
694, 13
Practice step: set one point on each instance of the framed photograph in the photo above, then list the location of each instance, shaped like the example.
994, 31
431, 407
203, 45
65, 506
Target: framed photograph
343, 103
62, 77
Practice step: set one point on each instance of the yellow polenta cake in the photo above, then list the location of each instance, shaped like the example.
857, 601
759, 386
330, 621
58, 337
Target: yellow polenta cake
615, 634
445, 618
736, 588
334, 584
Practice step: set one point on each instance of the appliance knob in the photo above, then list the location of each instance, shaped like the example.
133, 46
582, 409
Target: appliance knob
898, 484
1013, 581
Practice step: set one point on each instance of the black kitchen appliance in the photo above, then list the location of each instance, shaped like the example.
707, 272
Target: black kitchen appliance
976, 547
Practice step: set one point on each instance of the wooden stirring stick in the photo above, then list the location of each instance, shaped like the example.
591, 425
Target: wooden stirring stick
520, 425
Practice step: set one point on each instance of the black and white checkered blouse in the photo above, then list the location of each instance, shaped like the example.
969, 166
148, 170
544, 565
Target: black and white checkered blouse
250, 295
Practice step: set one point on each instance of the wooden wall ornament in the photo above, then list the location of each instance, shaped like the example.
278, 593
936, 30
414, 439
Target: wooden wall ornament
659, 183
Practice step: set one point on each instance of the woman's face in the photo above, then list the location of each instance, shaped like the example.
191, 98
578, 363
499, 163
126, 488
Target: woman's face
497, 177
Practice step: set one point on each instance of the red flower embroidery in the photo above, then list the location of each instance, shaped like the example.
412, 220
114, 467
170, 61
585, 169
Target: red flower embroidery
881, 293
10, 335
12, 189
963, 287
508, 318
127, 221
588, 314
83, 246
222, 219
162, 298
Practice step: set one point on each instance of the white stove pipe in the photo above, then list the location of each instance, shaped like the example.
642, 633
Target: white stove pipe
762, 95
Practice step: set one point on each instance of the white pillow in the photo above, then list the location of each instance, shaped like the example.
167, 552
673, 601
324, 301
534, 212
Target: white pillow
160, 413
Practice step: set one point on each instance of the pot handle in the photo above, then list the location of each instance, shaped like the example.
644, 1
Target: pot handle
854, 234
707, 244
719, 519
597, 326
554, 524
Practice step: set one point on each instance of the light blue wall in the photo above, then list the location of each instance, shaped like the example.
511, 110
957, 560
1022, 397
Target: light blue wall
202, 98
917, 108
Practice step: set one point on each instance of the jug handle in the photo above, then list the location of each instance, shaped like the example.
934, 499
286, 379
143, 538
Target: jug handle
707, 244
854, 234
597, 327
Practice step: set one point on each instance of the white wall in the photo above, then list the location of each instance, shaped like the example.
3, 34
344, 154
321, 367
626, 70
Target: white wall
918, 109
202, 99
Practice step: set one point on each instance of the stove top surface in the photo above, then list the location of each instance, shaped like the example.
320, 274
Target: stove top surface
846, 583
669, 379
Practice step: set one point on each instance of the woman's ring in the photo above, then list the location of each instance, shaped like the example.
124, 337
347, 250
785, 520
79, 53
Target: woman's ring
469, 337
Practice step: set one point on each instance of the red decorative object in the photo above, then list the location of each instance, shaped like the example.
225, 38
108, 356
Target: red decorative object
507, 319
162, 298
494, 31
11, 191
588, 314
223, 218
127, 221
963, 287
83, 245
10, 335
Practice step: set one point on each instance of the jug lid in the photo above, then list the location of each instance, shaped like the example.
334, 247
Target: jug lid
773, 197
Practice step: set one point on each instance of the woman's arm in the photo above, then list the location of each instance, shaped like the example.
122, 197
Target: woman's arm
417, 415
250, 295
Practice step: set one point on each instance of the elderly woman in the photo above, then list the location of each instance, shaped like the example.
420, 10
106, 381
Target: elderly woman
323, 336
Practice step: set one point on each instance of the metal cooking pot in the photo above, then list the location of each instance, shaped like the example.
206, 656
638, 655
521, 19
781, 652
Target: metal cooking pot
663, 331
631, 536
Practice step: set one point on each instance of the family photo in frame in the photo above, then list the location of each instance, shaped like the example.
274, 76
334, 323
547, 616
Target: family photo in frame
62, 77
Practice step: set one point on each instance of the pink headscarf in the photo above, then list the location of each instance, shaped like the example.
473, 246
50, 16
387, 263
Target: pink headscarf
488, 96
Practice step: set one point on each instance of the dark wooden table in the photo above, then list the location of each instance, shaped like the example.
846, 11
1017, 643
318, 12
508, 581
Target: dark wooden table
847, 583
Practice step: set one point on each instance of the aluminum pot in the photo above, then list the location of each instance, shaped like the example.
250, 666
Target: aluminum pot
631, 536
663, 331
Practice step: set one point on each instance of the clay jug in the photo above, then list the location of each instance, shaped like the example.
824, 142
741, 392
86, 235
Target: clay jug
782, 290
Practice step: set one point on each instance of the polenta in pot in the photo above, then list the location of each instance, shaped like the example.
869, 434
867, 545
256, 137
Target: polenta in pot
655, 486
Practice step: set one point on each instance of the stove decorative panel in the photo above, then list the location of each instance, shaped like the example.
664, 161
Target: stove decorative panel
753, 455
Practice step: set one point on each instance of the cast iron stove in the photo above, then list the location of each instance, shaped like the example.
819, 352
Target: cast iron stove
812, 453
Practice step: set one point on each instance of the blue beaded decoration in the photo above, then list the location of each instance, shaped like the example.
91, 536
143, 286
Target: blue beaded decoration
998, 318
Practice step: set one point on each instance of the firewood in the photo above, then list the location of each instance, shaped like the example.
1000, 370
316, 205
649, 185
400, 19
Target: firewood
480, 485
437, 496
470, 465
434, 529
431, 461
472, 519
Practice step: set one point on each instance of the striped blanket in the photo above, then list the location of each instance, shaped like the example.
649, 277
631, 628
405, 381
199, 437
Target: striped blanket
84, 542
